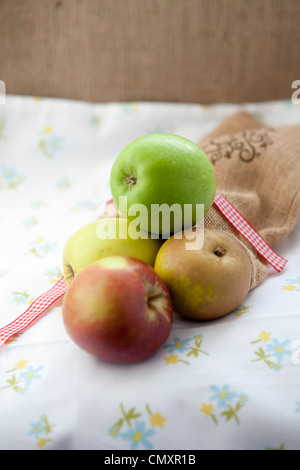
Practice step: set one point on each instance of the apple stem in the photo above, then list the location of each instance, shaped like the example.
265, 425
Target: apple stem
220, 251
131, 181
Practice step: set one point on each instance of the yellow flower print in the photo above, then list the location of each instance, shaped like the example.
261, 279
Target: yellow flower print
207, 409
241, 310
172, 359
157, 420
264, 336
13, 338
42, 442
22, 364
48, 130
290, 288
292, 285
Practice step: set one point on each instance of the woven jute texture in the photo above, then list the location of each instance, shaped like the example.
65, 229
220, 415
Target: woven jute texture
258, 170
202, 51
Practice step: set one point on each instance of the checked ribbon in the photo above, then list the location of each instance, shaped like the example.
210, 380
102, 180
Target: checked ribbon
248, 232
38, 306
44, 301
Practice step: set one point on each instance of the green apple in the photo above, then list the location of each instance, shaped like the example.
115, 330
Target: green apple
163, 170
103, 238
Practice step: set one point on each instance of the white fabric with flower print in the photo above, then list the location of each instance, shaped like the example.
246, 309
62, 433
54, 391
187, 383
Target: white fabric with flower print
230, 384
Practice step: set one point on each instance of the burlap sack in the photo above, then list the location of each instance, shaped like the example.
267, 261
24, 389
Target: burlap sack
258, 170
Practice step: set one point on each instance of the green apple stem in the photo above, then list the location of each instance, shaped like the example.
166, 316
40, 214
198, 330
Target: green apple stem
131, 181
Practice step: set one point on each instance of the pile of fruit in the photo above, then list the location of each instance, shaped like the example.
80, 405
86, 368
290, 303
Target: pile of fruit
128, 273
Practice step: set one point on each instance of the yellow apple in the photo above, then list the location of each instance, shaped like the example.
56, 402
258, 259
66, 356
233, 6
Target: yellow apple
88, 245
208, 282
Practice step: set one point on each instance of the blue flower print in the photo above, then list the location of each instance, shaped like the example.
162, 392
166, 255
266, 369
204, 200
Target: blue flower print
30, 222
20, 298
138, 435
54, 274
10, 177
41, 431
47, 247
41, 248
178, 345
279, 349
293, 281
87, 205
51, 143
297, 409
198, 337
55, 143
37, 429
222, 395
30, 374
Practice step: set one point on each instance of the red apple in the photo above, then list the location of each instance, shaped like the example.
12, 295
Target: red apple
110, 210
118, 309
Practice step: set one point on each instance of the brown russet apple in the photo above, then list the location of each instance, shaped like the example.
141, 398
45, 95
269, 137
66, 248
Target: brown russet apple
208, 282
118, 309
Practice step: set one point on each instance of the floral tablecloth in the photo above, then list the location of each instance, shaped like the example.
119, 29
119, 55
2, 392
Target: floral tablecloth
230, 384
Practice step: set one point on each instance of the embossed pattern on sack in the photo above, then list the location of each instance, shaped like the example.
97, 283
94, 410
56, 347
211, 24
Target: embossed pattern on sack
246, 146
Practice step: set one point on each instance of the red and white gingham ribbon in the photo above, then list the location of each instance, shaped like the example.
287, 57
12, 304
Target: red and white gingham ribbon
248, 232
39, 305
45, 300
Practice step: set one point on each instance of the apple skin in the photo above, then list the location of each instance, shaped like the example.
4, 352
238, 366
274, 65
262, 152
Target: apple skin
84, 247
163, 169
205, 284
118, 310
110, 210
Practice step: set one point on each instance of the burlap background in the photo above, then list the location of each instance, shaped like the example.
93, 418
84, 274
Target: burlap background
158, 50
258, 170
